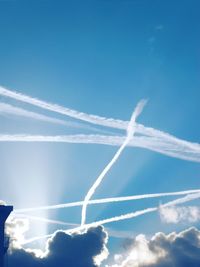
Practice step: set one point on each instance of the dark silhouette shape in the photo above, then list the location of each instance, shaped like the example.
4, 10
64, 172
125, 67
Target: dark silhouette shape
4, 213
64, 250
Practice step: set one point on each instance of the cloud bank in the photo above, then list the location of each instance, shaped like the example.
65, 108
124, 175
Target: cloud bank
78, 250
177, 250
89, 250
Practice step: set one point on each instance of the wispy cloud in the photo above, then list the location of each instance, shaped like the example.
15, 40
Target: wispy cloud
159, 27
179, 214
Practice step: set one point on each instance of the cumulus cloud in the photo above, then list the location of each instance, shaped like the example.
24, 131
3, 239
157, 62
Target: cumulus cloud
175, 214
2, 203
178, 250
15, 229
78, 250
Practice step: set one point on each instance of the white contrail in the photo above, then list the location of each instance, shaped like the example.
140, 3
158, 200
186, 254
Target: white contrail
178, 201
130, 133
18, 111
59, 109
151, 143
108, 122
36, 218
13, 110
182, 200
108, 200
131, 215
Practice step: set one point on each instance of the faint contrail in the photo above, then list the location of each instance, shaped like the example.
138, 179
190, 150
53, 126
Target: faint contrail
17, 111
13, 110
107, 200
41, 219
182, 200
108, 122
130, 133
151, 143
59, 109
131, 215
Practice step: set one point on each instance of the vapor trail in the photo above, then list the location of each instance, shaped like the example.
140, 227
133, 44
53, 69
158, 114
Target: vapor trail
182, 200
59, 109
36, 218
107, 200
178, 201
17, 111
107, 122
131, 215
151, 143
13, 110
130, 133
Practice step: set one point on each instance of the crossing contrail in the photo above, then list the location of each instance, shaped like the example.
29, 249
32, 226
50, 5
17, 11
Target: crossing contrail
175, 202
151, 143
107, 200
107, 122
130, 134
131, 215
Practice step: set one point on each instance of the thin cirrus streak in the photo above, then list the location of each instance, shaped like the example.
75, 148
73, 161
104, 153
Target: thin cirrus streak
18, 111
97, 120
151, 143
127, 216
130, 134
41, 219
111, 123
107, 200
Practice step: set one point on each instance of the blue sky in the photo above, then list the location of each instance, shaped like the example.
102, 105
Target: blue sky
100, 57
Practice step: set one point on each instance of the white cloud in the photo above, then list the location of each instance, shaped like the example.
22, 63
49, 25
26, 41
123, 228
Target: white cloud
176, 214
16, 229
178, 250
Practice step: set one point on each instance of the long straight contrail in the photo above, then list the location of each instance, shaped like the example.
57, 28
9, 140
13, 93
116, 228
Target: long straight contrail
178, 201
107, 200
130, 133
41, 219
127, 216
18, 111
59, 109
107, 122
151, 143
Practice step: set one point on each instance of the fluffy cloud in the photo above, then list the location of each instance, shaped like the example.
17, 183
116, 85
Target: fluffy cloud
176, 214
78, 250
15, 229
177, 250
88, 249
